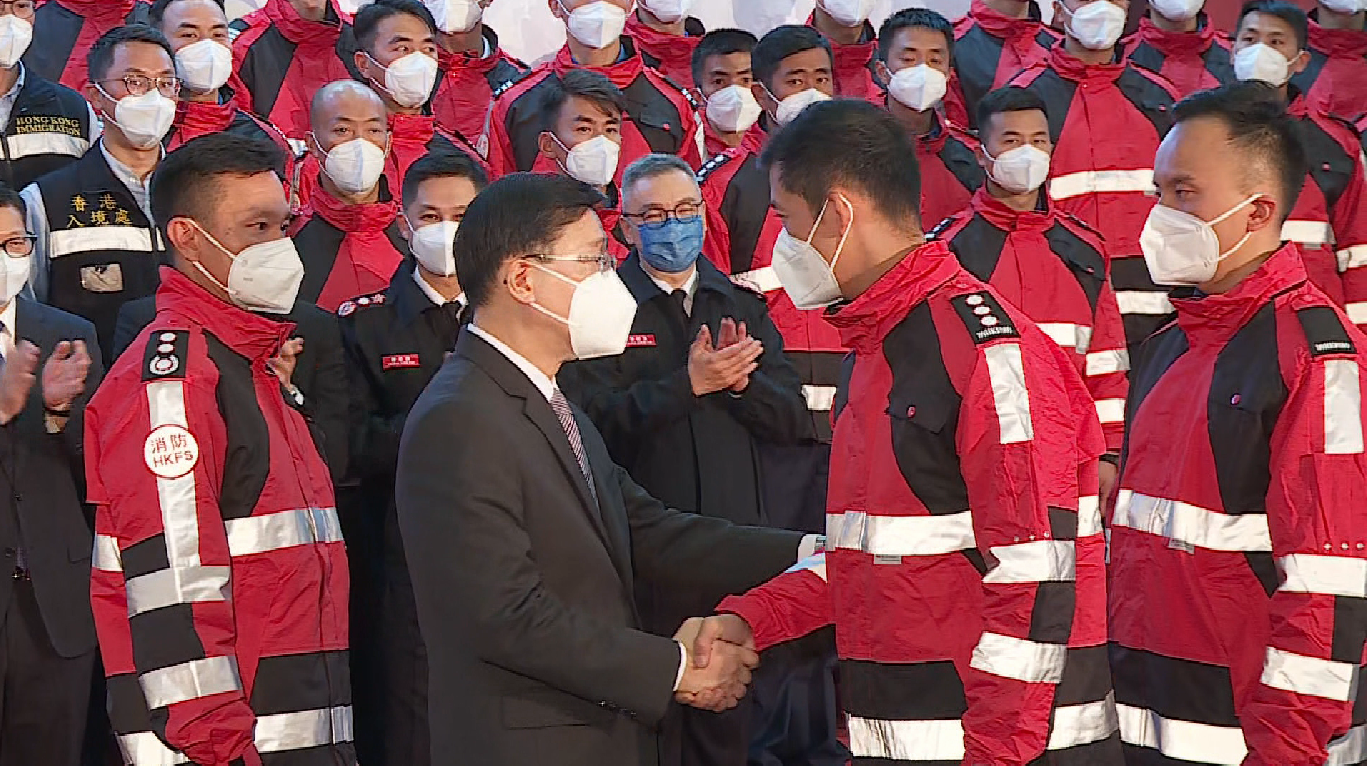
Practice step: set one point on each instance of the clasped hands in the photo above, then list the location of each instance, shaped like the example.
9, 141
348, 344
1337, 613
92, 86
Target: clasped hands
726, 364
721, 654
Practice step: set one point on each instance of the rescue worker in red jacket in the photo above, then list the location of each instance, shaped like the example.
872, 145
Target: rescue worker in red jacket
660, 116
722, 74
198, 33
581, 134
1329, 219
993, 43
348, 238
792, 68
1106, 118
666, 36
964, 568
845, 23
914, 50
472, 65
1334, 77
1236, 603
1177, 40
219, 582
67, 28
285, 52
1047, 263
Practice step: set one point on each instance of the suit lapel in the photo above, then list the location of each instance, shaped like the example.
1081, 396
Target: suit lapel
613, 518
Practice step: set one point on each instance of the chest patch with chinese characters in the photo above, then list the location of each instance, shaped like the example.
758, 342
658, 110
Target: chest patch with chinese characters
400, 362
640, 341
170, 452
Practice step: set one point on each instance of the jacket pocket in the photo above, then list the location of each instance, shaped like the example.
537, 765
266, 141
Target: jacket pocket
541, 708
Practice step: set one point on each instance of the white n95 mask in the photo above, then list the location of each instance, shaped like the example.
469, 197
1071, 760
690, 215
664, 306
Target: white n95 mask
594, 161
848, 13
1019, 170
601, 312
668, 11
455, 16
432, 246
1264, 63
204, 66
1181, 249
733, 109
14, 276
15, 36
144, 120
598, 24
1177, 10
919, 87
1097, 25
806, 277
790, 107
409, 80
355, 165
264, 277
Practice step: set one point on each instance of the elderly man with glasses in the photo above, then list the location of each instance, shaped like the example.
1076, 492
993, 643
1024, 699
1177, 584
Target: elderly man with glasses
96, 246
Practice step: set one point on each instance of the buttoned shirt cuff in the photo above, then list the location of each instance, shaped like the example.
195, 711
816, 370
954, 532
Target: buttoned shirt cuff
810, 546
683, 663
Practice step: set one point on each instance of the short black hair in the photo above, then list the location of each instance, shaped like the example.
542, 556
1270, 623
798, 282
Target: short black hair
719, 42
10, 198
1259, 128
780, 43
158, 11
909, 18
873, 154
366, 24
442, 163
591, 86
1007, 99
520, 214
1291, 14
183, 183
101, 54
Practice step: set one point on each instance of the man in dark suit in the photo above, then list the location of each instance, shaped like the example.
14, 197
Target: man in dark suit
319, 369
702, 382
524, 539
47, 635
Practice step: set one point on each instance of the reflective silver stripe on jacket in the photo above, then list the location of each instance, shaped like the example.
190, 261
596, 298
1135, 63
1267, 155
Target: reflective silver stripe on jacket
273, 734
68, 241
190, 680
285, 529
33, 144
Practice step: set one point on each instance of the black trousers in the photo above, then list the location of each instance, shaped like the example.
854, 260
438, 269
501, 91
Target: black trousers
45, 696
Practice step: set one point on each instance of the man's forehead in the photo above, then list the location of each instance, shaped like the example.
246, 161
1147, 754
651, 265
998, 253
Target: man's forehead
919, 37
812, 58
136, 54
1265, 23
352, 107
200, 13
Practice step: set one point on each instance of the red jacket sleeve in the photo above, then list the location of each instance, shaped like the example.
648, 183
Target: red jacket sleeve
1316, 511
502, 160
789, 606
1348, 219
1020, 464
1107, 366
154, 464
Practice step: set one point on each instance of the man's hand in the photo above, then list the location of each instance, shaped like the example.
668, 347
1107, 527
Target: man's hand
711, 370
721, 684
64, 375
16, 380
1108, 473
282, 364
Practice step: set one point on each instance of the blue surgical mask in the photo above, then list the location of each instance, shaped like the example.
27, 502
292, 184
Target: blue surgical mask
673, 245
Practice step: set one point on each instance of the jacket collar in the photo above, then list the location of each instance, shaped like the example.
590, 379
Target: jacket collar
370, 218
849, 59
644, 289
622, 74
301, 31
412, 128
1005, 27
1214, 319
465, 62
406, 298
660, 45
1178, 43
1338, 43
865, 321
251, 335
199, 118
1071, 68
995, 212
932, 142
103, 12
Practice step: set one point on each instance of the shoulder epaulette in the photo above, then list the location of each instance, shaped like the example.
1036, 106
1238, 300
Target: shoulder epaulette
712, 165
166, 354
365, 301
942, 226
506, 86
1324, 331
984, 317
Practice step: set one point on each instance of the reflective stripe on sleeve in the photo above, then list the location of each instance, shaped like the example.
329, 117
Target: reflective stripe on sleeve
815, 564
1107, 362
106, 556
190, 680
1009, 394
1357, 312
67, 241
180, 585
1191, 524
1101, 182
1088, 516
941, 740
1313, 676
1342, 407
1148, 303
1325, 575
1349, 749
1083, 724
900, 535
145, 749
1064, 334
285, 529
307, 728
1033, 662
1312, 233
1110, 410
1183, 740
1354, 257
1035, 561
33, 144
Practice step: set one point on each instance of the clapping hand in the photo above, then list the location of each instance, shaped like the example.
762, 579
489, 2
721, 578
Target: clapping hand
725, 365
283, 363
721, 654
16, 380
64, 375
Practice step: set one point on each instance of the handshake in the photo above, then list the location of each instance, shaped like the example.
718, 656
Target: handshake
721, 654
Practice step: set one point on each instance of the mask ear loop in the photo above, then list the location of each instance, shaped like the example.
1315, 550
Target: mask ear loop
840, 248
1229, 213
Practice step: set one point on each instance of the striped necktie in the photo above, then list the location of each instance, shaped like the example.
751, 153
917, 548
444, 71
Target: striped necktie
561, 406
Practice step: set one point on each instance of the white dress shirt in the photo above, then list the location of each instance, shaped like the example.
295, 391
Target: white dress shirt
690, 288
7, 333
431, 292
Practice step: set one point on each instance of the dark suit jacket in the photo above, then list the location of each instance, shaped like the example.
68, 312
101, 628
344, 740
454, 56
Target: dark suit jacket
44, 476
320, 372
524, 584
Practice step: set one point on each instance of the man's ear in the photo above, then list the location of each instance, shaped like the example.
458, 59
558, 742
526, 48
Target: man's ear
517, 278
545, 143
1266, 212
181, 234
761, 94
1299, 62
884, 74
362, 62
